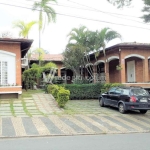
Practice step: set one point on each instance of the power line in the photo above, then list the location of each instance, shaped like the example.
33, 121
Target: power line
101, 11
96, 10
90, 8
81, 17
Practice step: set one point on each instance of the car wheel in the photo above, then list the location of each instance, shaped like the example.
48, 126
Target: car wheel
101, 102
143, 111
121, 108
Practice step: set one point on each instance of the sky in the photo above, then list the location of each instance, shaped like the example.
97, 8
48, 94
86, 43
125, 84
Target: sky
96, 12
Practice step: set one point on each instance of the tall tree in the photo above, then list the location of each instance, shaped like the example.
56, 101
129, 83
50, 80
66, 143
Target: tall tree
120, 3
78, 36
104, 36
74, 58
40, 54
146, 9
79, 39
24, 27
45, 11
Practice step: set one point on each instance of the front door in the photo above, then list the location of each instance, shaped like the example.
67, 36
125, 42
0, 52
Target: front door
131, 71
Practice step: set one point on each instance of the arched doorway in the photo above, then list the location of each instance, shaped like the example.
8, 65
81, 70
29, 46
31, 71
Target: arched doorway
134, 67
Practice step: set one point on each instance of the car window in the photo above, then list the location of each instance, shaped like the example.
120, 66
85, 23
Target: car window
118, 91
125, 92
112, 90
139, 92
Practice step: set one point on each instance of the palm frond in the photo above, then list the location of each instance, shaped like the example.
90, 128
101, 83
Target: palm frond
110, 35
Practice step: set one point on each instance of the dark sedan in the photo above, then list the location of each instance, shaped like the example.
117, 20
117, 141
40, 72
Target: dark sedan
126, 98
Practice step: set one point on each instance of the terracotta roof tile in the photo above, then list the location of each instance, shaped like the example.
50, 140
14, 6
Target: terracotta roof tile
49, 57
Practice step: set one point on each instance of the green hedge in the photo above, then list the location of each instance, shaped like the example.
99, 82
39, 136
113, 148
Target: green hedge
107, 86
83, 91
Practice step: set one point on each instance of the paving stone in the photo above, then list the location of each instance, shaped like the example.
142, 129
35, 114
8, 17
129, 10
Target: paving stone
27, 98
89, 124
18, 108
30, 104
51, 126
7, 128
29, 101
19, 111
4, 108
17, 105
120, 123
6, 114
29, 126
73, 125
33, 111
5, 105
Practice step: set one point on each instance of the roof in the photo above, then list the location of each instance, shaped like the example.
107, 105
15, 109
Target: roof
24, 43
48, 57
125, 45
129, 44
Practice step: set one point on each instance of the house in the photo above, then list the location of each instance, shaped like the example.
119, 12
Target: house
12, 62
58, 60
126, 63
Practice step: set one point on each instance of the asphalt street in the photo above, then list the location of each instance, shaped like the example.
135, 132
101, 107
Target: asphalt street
139, 141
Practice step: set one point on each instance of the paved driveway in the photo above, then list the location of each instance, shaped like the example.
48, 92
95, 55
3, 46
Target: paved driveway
40, 116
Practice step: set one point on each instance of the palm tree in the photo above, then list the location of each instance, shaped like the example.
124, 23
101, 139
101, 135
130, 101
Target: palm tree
46, 12
40, 54
78, 39
78, 36
104, 36
24, 27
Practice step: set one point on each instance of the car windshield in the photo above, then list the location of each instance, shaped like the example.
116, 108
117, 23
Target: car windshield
139, 92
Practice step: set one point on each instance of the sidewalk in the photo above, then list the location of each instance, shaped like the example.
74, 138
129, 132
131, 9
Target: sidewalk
43, 121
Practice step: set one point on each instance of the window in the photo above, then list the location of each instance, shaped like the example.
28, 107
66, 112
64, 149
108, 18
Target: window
7, 68
3, 73
139, 92
118, 91
112, 90
125, 92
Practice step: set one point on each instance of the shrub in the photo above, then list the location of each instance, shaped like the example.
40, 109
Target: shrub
107, 86
54, 90
83, 91
63, 97
49, 88
60, 94
29, 77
